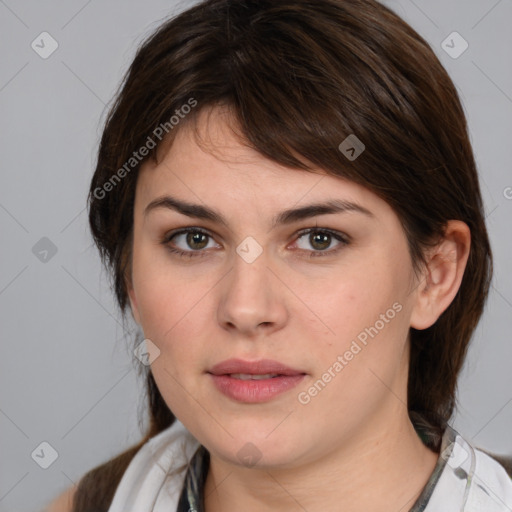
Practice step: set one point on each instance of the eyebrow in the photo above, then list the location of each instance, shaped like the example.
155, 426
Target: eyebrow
285, 217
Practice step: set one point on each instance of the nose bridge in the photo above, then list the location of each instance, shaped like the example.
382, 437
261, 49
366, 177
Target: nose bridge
250, 297
249, 281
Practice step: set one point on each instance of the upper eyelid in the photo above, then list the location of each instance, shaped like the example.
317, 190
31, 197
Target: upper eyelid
301, 232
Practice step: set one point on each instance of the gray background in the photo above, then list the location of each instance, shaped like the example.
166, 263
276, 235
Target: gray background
67, 375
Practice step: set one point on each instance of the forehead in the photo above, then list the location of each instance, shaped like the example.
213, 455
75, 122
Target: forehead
214, 165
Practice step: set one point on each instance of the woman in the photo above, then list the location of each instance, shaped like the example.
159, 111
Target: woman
288, 202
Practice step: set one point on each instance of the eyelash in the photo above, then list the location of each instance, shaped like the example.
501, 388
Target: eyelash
344, 239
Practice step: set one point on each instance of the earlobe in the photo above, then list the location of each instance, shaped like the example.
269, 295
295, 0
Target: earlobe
133, 304
443, 275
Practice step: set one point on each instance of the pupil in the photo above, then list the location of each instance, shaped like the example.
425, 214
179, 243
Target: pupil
322, 239
319, 240
194, 238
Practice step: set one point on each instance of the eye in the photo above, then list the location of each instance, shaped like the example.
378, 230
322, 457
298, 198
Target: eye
194, 238
321, 239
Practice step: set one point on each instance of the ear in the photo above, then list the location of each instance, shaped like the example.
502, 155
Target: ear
443, 275
133, 302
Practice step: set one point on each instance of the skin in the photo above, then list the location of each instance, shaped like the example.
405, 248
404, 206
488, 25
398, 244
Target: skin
352, 447
63, 503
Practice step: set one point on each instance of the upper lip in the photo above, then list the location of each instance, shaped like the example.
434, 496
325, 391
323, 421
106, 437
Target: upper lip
260, 367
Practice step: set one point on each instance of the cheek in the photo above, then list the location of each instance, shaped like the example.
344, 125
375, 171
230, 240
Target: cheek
177, 329
175, 315
350, 301
367, 319
172, 315
162, 296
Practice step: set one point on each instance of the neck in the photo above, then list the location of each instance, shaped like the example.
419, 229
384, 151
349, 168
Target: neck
384, 467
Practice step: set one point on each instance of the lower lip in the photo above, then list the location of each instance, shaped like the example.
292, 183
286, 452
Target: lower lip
254, 391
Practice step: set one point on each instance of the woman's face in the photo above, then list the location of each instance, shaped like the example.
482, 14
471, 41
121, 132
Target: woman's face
333, 305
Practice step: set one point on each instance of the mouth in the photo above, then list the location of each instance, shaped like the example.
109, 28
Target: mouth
254, 382
240, 368
249, 376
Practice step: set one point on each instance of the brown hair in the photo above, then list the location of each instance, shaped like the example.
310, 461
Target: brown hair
299, 77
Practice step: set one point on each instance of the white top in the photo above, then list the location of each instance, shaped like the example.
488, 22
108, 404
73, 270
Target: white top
465, 478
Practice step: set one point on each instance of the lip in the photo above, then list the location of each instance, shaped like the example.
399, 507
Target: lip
254, 391
260, 367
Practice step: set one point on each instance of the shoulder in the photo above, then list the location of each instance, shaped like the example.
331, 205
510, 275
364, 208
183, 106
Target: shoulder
491, 489
503, 460
470, 479
157, 472
63, 502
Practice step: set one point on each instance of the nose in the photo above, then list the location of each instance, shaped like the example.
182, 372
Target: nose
252, 299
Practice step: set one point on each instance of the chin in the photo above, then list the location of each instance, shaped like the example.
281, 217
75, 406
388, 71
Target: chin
258, 451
